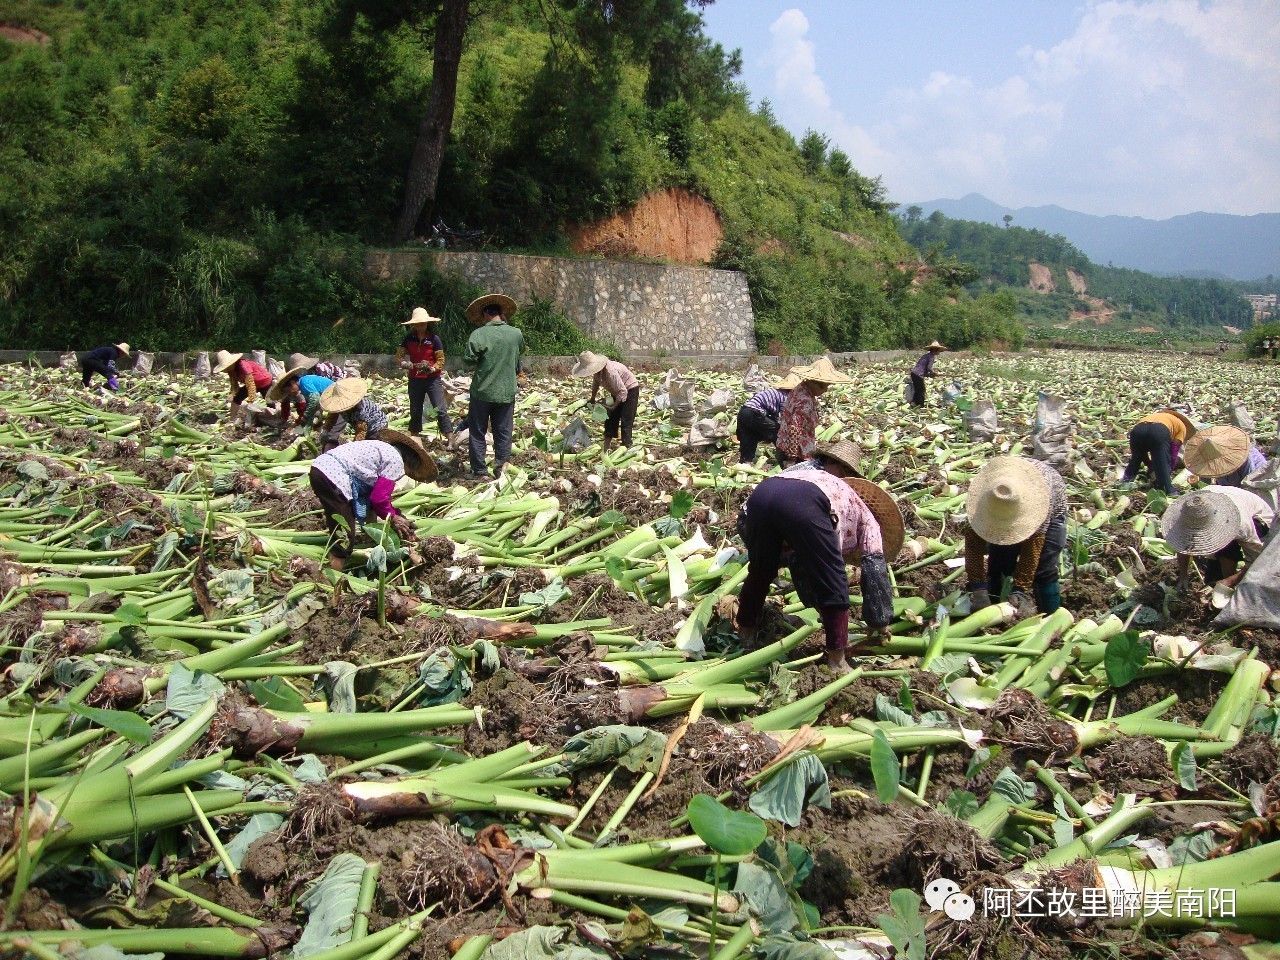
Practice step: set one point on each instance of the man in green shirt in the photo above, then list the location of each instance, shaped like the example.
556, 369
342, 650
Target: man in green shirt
493, 352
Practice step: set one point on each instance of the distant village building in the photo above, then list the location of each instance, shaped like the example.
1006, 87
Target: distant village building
1265, 305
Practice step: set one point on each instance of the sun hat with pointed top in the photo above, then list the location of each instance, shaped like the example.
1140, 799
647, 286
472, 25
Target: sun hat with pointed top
298, 364
821, 370
224, 359
1216, 451
1200, 523
123, 348
1008, 500
936, 346
789, 382
344, 395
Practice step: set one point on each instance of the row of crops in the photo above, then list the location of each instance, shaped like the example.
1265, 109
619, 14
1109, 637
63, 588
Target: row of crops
527, 732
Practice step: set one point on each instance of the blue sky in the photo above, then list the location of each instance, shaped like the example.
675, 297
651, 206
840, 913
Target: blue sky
1137, 107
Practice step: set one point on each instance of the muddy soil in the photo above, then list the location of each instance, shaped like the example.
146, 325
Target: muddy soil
1132, 765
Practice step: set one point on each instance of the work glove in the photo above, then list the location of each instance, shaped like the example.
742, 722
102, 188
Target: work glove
113, 383
979, 599
1023, 604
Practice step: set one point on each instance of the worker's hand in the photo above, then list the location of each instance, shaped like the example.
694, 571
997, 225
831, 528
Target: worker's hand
979, 599
403, 527
1022, 604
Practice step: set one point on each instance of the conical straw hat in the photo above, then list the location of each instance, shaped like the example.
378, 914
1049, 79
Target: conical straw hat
935, 346
1200, 523
418, 464
1008, 500
299, 363
223, 359
123, 348
476, 307
887, 513
821, 370
589, 364
789, 382
1216, 451
844, 452
420, 315
344, 395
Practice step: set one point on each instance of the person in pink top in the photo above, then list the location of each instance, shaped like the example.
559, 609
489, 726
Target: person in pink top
810, 519
248, 379
621, 389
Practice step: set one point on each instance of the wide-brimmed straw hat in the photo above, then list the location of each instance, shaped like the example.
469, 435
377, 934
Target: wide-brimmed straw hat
223, 359
420, 315
589, 364
1008, 500
789, 382
418, 464
1216, 451
887, 513
1200, 523
935, 346
344, 395
123, 348
821, 370
843, 452
475, 309
298, 363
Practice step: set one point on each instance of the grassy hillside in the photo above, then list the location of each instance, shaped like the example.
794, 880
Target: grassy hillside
1138, 306
210, 172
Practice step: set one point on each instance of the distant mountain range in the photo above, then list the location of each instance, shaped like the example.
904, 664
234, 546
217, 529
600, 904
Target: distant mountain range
1191, 245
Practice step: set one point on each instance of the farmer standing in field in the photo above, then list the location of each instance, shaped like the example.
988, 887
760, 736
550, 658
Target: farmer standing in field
421, 353
1224, 455
798, 422
1155, 442
103, 360
360, 477
1017, 510
923, 369
299, 389
813, 518
493, 353
1219, 527
621, 393
248, 379
758, 417
348, 401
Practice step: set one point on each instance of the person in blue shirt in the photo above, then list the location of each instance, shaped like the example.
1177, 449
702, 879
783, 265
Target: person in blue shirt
299, 389
103, 360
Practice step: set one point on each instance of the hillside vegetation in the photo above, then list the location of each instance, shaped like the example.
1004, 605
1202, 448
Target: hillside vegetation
210, 172
1001, 258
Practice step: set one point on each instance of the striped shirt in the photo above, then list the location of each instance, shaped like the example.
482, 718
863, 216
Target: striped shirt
769, 401
329, 370
856, 526
355, 467
368, 412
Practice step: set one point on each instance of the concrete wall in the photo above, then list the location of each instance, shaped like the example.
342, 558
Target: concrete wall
642, 308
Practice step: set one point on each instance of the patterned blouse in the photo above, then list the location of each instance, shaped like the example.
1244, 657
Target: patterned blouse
616, 379
798, 425
856, 526
366, 412
358, 465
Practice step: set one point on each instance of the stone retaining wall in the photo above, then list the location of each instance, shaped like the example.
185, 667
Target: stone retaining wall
641, 308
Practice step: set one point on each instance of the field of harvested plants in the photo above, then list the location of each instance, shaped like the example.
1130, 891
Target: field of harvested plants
528, 731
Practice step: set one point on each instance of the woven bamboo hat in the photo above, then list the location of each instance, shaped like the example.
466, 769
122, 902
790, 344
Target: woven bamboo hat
475, 309
887, 513
223, 359
936, 346
589, 364
821, 370
1008, 500
123, 348
418, 464
344, 395
843, 452
1200, 523
1216, 451
420, 315
789, 382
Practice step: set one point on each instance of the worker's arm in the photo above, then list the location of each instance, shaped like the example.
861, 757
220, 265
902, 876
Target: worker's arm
877, 592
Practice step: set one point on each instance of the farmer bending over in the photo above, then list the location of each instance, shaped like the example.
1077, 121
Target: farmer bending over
812, 519
359, 477
1154, 442
1017, 510
103, 360
758, 417
346, 400
621, 393
1224, 455
299, 389
248, 379
798, 422
421, 353
922, 369
1219, 527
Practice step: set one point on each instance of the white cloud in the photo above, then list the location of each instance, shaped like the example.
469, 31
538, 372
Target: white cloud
1150, 107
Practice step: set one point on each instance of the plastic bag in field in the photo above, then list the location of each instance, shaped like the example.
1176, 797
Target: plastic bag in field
718, 402
1242, 418
980, 421
753, 381
1257, 597
68, 361
952, 393
259, 357
276, 368
1265, 483
203, 368
706, 433
143, 364
1051, 438
576, 437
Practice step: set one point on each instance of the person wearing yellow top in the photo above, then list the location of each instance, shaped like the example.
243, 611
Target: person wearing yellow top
1154, 442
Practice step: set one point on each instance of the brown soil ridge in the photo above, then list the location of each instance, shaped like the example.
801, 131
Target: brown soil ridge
675, 225
20, 34
1041, 278
1077, 281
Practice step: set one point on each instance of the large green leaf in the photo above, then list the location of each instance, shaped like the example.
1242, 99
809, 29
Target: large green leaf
128, 725
733, 833
884, 767
1125, 657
